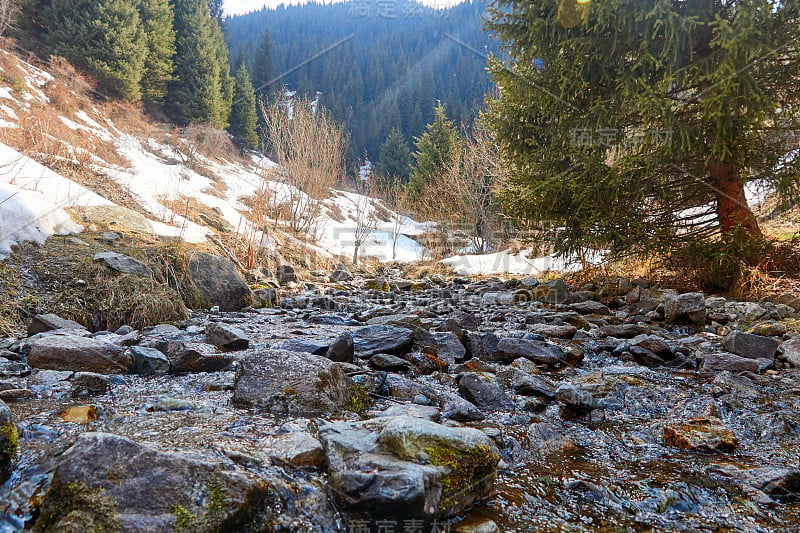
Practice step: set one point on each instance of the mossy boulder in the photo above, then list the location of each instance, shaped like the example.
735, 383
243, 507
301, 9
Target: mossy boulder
8, 440
408, 467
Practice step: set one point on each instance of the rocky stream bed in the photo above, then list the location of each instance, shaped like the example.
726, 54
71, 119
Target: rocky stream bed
391, 405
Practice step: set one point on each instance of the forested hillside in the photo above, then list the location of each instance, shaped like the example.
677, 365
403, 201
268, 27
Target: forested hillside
392, 61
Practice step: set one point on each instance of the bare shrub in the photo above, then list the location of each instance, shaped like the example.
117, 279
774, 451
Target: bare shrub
365, 216
308, 147
390, 191
461, 200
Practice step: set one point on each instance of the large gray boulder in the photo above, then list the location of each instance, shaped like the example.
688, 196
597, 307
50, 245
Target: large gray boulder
405, 467
79, 354
219, 282
50, 322
297, 383
371, 340
688, 307
226, 336
541, 352
750, 346
482, 345
105, 482
719, 361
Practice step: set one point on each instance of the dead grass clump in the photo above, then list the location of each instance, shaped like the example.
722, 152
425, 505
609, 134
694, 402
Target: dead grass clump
197, 212
130, 118
426, 269
100, 184
70, 90
76, 287
778, 272
15, 304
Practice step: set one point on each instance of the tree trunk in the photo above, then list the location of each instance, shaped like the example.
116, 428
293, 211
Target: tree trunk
736, 220
355, 254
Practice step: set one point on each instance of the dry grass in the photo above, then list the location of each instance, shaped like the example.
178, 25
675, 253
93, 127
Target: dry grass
425, 269
197, 212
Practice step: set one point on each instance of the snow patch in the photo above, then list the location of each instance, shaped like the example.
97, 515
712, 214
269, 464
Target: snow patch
507, 263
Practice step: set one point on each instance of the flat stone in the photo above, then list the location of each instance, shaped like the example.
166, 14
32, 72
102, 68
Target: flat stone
700, 433
590, 307
226, 336
199, 357
296, 449
384, 361
483, 394
688, 307
750, 346
542, 352
148, 361
50, 322
575, 398
565, 331
371, 340
719, 361
123, 263
79, 354
791, 351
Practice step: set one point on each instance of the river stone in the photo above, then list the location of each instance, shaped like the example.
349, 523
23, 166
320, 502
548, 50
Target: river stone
621, 331
482, 345
688, 307
404, 467
484, 394
564, 331
590, 307
285, 274
371, 340
199, 357
338, 276
700, 433
553, 292
79, 354
226, 336
384, 361
88, 384
528, 385
219, 281
342, 349
296, 449
123, 263
750, 346
8, 440
454, 407
449, 348
542, 352
50, 322
791, 351
299, 383
317, 347
576, 399
148, 361
105, 482
719, 361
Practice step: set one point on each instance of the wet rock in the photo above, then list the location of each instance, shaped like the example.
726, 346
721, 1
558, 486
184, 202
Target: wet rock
123, 263
219, 281
576, 399
546, 439
333, 320
315, 346
342, 349
791, 351
226, 336
541, 352
621, 331
105, 482
50, 322
553, 292
148, 361
65, 352
88, 384
449, 348
482, 345
296, 449
384, 361
426, 412
13, 369
719, 361
291, 382
399, 320
476, 525
8, 440
167, 404
79, 414
688, 307
285, 274
590, 307
780, 483
750, 346
528, 385
267, 295
199, 357
404, 467
586, 490
645, 357
564, 331
700, 433
483, 394
455, 407
424, 363
371, 340
340, 276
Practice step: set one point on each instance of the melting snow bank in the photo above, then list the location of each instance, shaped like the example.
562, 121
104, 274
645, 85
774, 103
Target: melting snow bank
507, 263
29, 216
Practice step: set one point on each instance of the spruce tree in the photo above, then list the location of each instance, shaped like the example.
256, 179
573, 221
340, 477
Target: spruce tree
157, 21
243, 111
201, 90
436, 150
395, 157
104, 38
264, 72
634, 125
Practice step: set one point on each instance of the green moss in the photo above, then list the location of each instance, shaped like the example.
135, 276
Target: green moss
358, 400
467, 468
184, 520
212, 517
8, 441
74, 508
